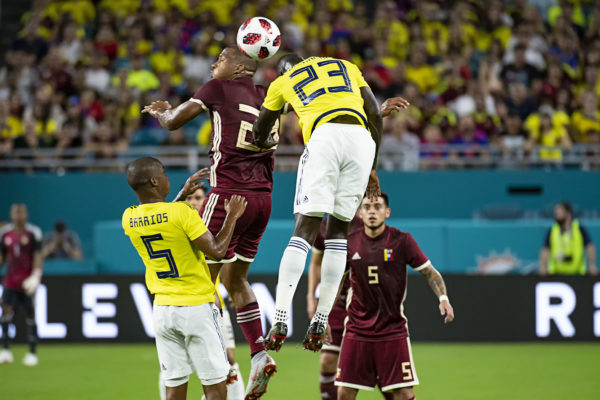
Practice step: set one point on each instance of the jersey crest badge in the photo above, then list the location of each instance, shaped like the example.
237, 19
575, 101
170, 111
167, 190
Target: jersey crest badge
356, 256
388, 255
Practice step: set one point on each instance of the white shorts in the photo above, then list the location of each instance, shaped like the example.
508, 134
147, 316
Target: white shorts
189, 339
227, 329
334, 171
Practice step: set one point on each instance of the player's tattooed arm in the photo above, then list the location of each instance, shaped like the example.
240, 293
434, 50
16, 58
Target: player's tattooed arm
262, 128
173, 118
436, 282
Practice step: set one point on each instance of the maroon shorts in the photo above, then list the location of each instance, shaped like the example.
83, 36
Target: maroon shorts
248, 229
336, 323
387, 363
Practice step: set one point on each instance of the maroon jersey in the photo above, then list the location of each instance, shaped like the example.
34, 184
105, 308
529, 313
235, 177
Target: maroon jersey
378, 283
236, 163
18, 248
319, 245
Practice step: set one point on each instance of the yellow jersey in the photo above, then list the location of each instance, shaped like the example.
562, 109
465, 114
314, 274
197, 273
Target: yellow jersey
319, 89
162, 233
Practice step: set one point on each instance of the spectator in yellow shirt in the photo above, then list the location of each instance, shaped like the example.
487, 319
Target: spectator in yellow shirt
587, 118
552, 139
419, 72
140, 78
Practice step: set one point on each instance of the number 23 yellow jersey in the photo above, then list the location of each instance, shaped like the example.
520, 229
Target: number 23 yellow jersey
162, 233
319, 89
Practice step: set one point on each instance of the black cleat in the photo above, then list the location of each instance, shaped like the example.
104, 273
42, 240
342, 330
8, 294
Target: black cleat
276, 336
315, 335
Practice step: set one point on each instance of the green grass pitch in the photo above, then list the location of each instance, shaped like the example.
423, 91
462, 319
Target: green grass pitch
446, 371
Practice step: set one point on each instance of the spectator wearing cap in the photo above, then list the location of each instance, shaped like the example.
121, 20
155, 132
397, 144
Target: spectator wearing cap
62, 243
552, 138
565, 245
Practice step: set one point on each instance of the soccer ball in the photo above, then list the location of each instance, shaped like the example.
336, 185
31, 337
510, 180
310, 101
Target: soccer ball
259, 38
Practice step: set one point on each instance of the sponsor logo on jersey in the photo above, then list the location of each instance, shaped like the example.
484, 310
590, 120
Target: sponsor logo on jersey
388, 255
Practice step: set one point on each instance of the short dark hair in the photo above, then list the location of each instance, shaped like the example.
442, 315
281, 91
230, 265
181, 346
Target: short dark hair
567, 206
140, 171
249, 64
60, 226
385, 198
286, 62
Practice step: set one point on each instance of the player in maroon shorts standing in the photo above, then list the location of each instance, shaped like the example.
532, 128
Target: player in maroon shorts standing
20, 247
237, 167
376, 347
331, 350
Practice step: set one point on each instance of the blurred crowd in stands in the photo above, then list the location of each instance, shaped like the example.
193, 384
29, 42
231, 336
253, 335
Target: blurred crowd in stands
516, 74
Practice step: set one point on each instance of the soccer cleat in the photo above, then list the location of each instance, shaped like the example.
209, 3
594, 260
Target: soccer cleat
6, 357
30, 360
276, 336
315, 335
263, 367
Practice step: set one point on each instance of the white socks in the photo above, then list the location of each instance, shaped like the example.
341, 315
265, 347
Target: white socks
236, 390
332, 271
290, 271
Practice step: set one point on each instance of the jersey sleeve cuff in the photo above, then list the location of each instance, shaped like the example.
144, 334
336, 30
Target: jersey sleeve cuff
198, 101
270, 109
197, 236
425, 265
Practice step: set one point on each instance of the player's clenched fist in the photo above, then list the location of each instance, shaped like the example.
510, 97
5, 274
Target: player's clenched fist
235, 206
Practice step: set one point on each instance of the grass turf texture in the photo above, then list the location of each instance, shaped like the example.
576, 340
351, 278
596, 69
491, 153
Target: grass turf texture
446, 371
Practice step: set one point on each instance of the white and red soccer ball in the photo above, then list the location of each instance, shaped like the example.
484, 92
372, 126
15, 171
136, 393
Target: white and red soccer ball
259, 38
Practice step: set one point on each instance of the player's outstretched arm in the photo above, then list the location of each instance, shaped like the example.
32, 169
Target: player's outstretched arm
216, 246
173, 118
262, 128
393, 104
436, 282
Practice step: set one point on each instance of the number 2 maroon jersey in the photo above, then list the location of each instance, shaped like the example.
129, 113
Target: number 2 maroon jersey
236, 163
378, 282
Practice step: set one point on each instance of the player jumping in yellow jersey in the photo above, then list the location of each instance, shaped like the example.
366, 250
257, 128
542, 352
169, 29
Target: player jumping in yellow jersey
336, 111
172, 240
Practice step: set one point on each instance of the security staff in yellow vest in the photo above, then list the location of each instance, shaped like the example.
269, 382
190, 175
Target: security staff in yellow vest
563, 251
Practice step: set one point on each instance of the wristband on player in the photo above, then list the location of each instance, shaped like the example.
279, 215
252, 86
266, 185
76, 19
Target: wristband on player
444, 297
